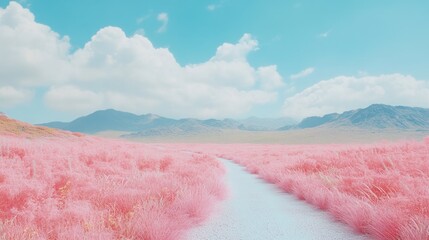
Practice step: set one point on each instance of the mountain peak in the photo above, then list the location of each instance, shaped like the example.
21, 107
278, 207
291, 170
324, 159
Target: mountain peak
379, 105
378, 108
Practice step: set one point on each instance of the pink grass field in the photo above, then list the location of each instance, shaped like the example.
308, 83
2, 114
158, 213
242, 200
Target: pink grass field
81, 187
380, 189
90, 188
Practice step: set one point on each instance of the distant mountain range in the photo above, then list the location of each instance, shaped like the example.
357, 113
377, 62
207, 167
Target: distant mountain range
376, 116
141, 125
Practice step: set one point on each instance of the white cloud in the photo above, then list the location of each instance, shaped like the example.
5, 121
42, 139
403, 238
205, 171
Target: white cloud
29, 50
10, 96
344, 93
304, 73
135, 76
112, 57
270, 78
236, 52
128, 73
73, 99
163, 18
229, 67
237, 74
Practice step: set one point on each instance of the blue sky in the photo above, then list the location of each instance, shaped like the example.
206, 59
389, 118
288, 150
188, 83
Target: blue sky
330, 56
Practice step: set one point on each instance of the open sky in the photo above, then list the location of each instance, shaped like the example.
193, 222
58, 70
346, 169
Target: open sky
200, 58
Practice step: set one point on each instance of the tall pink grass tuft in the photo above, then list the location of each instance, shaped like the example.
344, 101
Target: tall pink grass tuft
80, 187
378, 189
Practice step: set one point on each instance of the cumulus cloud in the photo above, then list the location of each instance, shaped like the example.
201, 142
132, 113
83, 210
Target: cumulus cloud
270, 78
29, 50
163, 18
343, 93
128, 73
10, 96
236, 52
304, 73
229, 67
135, 76
73, 99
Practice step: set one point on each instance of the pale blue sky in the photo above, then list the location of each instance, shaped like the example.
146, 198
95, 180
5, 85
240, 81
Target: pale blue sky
360, 39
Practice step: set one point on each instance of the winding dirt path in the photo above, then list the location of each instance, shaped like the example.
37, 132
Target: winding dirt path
256, 210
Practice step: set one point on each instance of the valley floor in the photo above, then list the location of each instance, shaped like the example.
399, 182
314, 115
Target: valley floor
300, 136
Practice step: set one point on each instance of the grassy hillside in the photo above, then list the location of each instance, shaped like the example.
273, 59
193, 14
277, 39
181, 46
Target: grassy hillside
12, 127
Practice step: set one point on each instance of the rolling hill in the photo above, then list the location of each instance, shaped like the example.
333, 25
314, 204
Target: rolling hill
12, 127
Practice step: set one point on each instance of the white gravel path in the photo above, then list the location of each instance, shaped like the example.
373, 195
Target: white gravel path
256, 210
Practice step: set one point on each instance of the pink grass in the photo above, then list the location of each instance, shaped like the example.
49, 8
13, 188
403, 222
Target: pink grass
380, 189
90, 188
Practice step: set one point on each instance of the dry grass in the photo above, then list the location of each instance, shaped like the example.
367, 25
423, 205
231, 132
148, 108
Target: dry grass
12, 127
